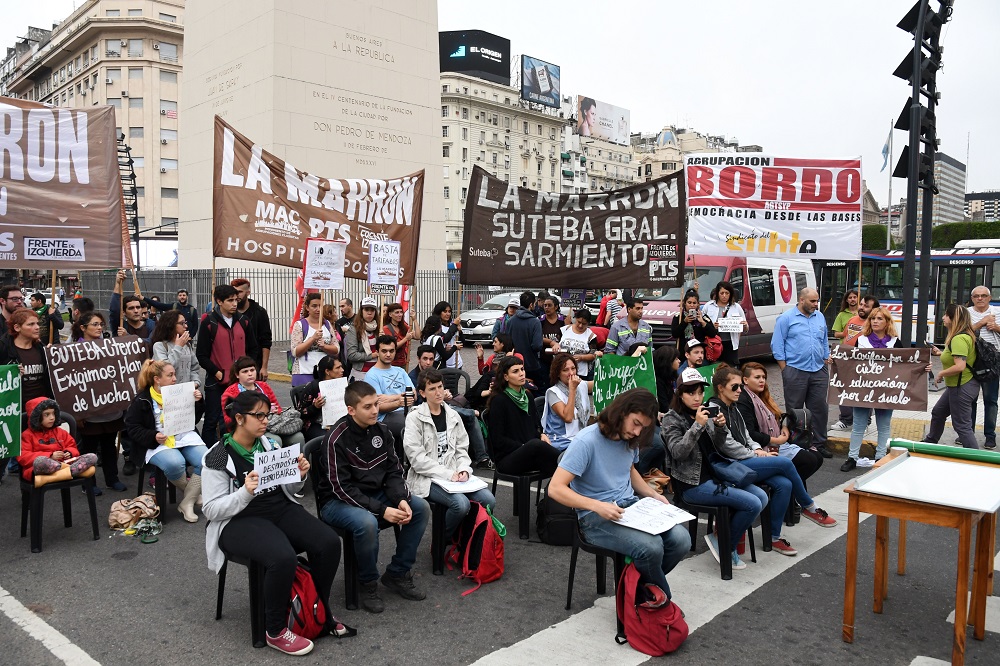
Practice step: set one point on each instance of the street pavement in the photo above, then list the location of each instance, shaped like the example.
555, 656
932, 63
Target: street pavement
117, 601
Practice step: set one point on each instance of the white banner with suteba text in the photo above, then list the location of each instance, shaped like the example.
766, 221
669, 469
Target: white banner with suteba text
760, 205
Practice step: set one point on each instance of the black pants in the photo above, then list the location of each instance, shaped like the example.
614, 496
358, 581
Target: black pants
530, 456
806, 463
274, 543
730, 356
105, 446
213, 412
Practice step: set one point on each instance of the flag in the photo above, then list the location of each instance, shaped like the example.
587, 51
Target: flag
885, 152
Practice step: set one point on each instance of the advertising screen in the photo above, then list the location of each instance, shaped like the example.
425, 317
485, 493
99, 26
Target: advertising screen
475, 52
539, 82
601, 120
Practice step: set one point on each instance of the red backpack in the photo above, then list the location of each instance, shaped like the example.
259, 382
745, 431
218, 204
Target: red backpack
652, 631
478, 547
306, 613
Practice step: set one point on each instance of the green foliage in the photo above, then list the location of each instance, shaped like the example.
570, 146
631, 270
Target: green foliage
946, 235
873, 237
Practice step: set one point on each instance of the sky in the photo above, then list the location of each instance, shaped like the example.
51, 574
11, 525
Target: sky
801, 79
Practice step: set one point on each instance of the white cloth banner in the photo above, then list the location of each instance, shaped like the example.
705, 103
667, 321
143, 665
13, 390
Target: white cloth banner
752, 204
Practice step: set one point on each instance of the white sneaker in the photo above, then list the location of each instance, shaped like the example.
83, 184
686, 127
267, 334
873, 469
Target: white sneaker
865, 462
840, 425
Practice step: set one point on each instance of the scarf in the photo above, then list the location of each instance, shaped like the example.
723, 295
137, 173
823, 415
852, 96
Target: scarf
582, 407
370, 327
239, 450
877, 342
170, 442
520, 398
767, 423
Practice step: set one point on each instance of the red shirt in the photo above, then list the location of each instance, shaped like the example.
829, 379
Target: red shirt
853, 330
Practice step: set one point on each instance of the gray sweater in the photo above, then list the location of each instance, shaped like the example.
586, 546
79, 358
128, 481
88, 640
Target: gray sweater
681, 433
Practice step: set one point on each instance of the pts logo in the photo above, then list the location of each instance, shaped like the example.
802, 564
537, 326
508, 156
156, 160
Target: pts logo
663, 270
6, 241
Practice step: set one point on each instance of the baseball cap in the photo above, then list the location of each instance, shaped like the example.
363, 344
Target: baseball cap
691, 377
369, 302
515, 302
695, 342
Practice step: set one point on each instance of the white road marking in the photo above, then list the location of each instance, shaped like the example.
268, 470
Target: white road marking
992, 615
928, 661
588, 636
60, 646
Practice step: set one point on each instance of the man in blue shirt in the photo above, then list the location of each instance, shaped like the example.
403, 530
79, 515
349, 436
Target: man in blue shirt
597, 477
800, 347
391, 382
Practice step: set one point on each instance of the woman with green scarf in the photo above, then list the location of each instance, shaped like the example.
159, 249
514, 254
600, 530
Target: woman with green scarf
519, 445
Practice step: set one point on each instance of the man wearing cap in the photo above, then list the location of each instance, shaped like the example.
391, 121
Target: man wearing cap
629, 332
694, 355
500, 326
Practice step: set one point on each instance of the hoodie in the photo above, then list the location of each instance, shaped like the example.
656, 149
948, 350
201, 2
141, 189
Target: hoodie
37, 442
526, 332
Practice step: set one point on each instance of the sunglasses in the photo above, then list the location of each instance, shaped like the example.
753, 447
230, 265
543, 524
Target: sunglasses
736, 387
260, 416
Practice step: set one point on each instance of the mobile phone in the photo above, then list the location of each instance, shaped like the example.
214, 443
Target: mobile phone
692, 313
713, 410
408, 396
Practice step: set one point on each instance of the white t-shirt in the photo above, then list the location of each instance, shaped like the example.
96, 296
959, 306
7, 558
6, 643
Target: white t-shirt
989, 336
577, 343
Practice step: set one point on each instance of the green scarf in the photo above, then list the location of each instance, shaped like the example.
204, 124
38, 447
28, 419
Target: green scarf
520, 398
238, 448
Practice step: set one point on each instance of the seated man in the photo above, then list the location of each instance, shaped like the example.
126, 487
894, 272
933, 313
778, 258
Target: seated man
597, 477
470, 417
360, 488
694, 355
392, 383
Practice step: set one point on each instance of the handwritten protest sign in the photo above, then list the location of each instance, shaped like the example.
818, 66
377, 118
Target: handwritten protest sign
96, 378
879, 378
10, 411
178, 408
617, 374
383, 262
324, 264
276, 467
729, 325
334, 407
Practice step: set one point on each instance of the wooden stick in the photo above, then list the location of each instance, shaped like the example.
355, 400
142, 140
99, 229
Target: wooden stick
135, 282
51, 328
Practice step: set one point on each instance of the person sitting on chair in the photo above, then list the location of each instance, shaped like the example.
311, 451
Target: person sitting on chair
597, 477
391, 383
567, 402
309, 401
360, 488
45, 446
437, 446
267, 527
519, 445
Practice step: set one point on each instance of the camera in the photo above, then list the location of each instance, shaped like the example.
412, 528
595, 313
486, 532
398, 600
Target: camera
713, 410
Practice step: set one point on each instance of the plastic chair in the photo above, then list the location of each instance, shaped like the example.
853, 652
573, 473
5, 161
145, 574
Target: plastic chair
721, 516
580, 543
33, 504
452, 377
162, 487
256, 573
438, 537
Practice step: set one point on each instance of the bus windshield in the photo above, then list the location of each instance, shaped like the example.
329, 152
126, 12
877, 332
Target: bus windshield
706, 278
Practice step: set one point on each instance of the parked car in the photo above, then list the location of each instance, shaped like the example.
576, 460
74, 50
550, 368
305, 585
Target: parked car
477, 325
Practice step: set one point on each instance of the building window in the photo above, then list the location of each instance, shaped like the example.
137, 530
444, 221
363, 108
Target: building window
168, 108
169, 165
140, 191
465, 192
114, 76
169, 225
446, 151
169, 18
135, 73
93, 53
444, 111
135, 103
168, 192
465, 134
113, 47
465, 154
138, 162
526, 127
168, 135
444, 130
447, 192
465, 113
539, 130
506, 122
168, 77
168, 52
115, 102
494, 158
135, 48
482, 155
135, 12
135, 132
112, 13
552, 170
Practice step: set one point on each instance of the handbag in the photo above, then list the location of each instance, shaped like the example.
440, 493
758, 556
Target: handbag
288, 422
126, 513
730, 472
713, 348
657, 480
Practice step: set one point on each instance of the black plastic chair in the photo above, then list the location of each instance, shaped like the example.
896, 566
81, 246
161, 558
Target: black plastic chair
720, 514
452, 379
162, 487
438, 537
522, 489
256, 573
33, 504
602, 555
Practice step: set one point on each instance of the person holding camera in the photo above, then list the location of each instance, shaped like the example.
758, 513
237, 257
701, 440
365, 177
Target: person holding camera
691, 322
394, 387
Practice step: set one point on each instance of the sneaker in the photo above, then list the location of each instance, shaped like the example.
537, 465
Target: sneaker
290, 643
713, 546
657, 597
403, 586
485, 463
782, 546
849, 465
990, 444
119, 486
738, 563
370, 599
128, 469
840, 425
819, 516
823, 451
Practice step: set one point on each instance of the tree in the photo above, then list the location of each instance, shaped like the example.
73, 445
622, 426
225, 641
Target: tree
873, 237
946, 235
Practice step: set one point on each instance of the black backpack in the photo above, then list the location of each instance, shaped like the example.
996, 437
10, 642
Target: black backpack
556, 523
987, 363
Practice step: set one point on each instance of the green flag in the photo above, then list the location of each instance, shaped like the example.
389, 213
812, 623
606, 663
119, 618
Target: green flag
10, 411
616, 374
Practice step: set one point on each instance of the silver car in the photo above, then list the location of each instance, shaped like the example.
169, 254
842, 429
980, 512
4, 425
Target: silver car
477, 325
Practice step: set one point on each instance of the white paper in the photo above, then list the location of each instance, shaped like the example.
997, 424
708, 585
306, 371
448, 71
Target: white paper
333, 391
276, 467
324, 264
383, 262
730, 325
652, 516
454, 487
178, 408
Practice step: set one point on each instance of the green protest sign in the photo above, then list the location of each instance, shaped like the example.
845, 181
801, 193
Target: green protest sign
617, 374
707, 371
10, 411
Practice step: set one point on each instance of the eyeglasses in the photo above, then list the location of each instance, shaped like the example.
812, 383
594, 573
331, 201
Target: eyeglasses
260, 416
980, 295
16, 299
96, 324
736, 387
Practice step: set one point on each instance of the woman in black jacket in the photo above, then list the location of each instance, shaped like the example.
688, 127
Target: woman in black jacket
691, 322
516, 436
431, 335
309, 401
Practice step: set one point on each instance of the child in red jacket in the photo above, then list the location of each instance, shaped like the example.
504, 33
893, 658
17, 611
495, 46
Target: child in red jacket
45, 446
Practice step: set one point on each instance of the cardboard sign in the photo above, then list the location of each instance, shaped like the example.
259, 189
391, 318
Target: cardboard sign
276, 467
96, 378
10, 411
879, 378
616, 374
383, 262
324, 264
334, 408
730, 325
178, 408
572, 298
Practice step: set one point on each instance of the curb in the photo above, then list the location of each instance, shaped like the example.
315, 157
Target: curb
279, 377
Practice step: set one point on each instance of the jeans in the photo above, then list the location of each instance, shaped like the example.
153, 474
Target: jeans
458, 505
654, 555
213, 412
862, 417
365, 528
808, 389
957, 402
174, 462
477, 445
744, 504
780, 474
396, 422
991, 392
653, 455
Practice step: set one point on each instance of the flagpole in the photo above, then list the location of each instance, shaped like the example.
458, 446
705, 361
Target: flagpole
888, 221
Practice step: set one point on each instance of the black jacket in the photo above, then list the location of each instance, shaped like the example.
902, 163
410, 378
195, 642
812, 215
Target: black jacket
355, 463
188, 311
8, 356
260, 324
526, 332
510, 427
745, 407
140, 424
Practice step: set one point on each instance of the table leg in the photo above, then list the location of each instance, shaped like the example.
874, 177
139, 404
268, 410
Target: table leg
993, 550
901, 553
881, 561
851, 569
980, 579
961, 591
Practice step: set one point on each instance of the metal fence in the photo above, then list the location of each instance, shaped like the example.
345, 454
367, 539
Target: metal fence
274, 289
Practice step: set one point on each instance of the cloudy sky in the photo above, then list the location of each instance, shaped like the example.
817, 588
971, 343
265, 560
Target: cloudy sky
807, 79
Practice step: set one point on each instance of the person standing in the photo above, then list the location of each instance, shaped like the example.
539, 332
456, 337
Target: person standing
852, 330
500, 325
131, 306
580, 342
258, 322
799, 346
11, 298
526, 333
691, 322
400, 330
848, 309
984, 323
187, 310
607, 314
961, 387
552, 323
629, 332
49, 318
451, 333
311, 339
721, 305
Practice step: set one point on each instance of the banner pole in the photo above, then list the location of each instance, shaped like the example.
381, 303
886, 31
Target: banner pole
135, 282
888, 221
51, 329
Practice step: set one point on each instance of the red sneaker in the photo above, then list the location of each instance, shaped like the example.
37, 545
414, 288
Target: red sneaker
820, 517
782, 546
290, 643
